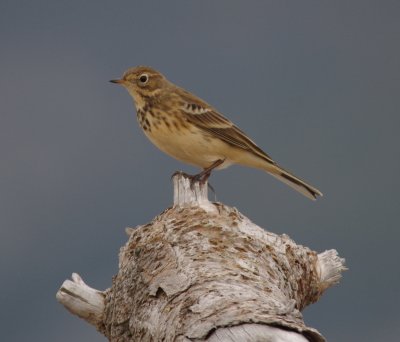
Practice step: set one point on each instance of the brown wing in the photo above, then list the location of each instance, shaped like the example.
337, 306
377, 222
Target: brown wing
209, 120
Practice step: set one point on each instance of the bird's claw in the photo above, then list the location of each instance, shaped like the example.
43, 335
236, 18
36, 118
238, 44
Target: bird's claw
200, 178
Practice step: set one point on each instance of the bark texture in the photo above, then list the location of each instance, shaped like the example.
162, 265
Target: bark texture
202, 271
82, 300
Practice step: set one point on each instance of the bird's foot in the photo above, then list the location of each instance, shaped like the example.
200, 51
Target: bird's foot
201, 177
180, 173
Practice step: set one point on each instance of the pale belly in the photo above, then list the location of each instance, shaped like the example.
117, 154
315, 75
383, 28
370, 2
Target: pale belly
192, 147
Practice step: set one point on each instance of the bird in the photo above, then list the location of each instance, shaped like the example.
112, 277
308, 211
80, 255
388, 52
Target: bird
190, 130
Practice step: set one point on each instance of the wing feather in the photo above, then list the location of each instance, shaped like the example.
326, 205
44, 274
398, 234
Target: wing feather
209, 120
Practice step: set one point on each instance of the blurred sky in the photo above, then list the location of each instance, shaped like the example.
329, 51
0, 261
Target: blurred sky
314, 83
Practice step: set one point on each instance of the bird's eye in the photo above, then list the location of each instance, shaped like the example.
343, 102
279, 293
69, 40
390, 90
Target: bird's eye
143, 78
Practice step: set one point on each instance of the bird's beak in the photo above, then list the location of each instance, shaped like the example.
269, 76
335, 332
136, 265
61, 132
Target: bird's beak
118, 81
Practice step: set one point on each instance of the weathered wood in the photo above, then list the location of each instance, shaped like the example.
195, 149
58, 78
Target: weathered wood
82, 300
255, 332
201, 271
187, 193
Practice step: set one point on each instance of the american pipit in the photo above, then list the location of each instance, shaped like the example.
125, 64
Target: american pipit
190, 130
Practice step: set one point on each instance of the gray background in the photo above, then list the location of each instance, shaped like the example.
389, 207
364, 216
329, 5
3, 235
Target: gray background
314, 83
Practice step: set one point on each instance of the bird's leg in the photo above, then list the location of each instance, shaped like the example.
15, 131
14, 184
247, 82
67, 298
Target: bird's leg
205, 174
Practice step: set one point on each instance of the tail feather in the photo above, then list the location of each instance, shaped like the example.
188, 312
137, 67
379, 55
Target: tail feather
294, 182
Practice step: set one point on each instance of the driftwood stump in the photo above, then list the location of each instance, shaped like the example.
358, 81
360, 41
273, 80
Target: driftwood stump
202, 271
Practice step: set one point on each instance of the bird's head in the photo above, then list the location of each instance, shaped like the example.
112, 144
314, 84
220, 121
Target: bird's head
142, 83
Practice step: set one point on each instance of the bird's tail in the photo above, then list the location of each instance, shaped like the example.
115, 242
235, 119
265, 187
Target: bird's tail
294, 182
